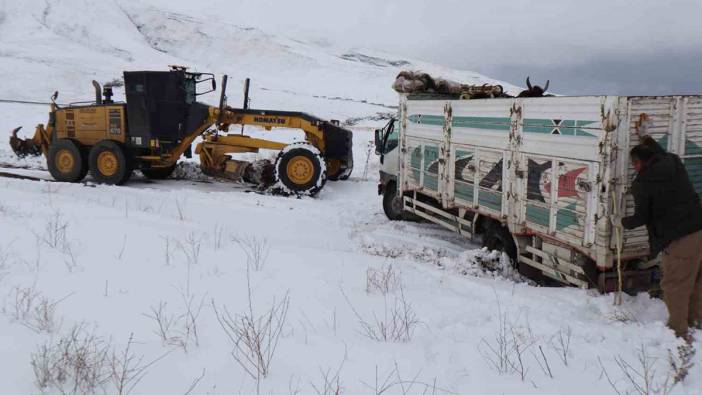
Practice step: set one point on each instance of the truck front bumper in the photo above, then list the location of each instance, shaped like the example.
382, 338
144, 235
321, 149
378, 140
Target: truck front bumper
385, 179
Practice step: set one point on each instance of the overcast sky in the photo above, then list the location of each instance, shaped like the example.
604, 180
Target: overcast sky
584, 47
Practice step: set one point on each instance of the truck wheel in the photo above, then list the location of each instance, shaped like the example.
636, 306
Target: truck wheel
300, 169
497, 238
158, 173
109, 164
65, 161
392, 203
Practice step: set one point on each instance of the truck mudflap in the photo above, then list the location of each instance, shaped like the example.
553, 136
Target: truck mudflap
633, 281
582, 274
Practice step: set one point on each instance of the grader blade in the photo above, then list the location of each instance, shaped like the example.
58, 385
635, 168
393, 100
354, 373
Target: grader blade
24, 147
260, 172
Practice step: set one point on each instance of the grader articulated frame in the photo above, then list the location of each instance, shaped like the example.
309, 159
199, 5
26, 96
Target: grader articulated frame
159, 123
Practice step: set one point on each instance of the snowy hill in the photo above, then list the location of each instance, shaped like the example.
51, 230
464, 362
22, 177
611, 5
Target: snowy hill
349, 301
69, 48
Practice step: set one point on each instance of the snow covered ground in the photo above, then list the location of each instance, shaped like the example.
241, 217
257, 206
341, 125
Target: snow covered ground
370, 306
107, 257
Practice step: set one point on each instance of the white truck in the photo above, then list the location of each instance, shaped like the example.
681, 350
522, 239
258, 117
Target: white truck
538, 178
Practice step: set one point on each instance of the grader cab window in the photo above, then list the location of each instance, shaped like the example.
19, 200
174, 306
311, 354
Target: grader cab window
158, 103
189, 86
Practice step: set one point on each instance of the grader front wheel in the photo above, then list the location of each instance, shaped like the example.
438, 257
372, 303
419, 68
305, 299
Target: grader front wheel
300, 169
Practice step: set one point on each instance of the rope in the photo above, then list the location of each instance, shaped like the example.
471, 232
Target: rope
24, 102
618, 237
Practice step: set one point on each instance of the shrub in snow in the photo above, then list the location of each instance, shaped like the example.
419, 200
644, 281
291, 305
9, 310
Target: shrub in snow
4, 260
256, 250
254, 338
178, 329
397, 323
29, 307
384, 279
76, 363
81, 362
507, 351
647, 375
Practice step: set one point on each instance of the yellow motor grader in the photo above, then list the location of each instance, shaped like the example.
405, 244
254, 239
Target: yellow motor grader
160, 120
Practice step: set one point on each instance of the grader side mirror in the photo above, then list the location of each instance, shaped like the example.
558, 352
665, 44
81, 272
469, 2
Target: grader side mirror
208, 77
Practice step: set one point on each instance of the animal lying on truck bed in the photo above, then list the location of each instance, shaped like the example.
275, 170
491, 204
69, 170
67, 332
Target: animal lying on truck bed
537, 178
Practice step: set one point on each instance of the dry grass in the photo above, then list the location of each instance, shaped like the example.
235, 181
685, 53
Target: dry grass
397, 322
5, 259
647, 375
256, 249
254, 337
383, 280
76, 363
561, 343
394, 383
32, 309
507, 351
179, 329
81, 362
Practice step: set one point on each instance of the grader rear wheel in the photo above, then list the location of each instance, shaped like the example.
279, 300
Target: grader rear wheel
300, 169
109, 164
65, 161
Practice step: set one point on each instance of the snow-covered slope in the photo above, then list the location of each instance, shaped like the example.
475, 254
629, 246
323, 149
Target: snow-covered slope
62, 45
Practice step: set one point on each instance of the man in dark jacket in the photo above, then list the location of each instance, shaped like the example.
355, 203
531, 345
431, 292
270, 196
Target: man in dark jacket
667, 204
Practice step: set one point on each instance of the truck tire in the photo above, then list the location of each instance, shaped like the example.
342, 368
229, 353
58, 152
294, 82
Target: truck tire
392, 203
300, 170
158, 173
498, 238
66, 162
109, 163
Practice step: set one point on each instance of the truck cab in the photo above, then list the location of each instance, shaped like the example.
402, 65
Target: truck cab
387, 144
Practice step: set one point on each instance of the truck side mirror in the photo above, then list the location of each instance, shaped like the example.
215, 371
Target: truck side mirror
378, 141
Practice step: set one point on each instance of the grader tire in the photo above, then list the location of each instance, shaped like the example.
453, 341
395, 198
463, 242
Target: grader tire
109, 163
65, 161
158, 173
300, 169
